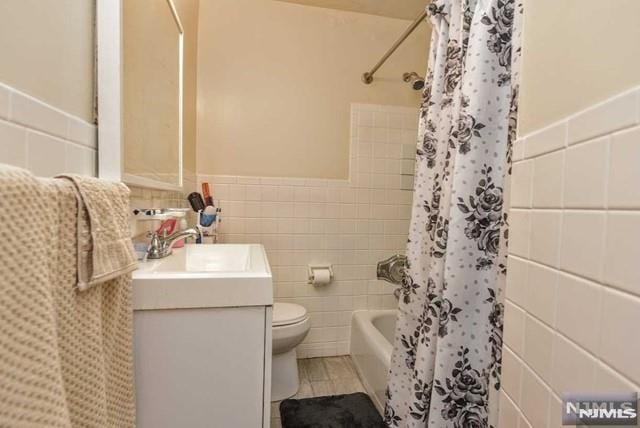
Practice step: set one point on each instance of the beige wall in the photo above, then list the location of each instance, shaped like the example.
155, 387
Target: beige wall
576, 53
405, 9
46, 48
275, 83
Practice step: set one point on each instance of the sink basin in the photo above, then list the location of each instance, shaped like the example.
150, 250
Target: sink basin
205, 276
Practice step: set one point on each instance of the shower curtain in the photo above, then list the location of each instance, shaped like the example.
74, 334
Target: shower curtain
445, 368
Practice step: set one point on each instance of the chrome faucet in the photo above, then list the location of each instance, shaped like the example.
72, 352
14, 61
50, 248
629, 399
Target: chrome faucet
160, 246
392, 269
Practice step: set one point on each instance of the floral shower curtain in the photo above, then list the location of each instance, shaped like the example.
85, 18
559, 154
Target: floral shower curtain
445, 369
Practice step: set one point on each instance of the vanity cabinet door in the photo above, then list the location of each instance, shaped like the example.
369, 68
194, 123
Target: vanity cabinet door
200, 367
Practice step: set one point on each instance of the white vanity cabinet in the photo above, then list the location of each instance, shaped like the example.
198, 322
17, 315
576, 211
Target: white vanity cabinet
203, 358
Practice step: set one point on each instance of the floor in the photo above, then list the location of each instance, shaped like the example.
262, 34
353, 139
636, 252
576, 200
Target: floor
322, 376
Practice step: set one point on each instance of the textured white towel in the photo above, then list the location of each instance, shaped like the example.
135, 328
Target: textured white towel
66, 357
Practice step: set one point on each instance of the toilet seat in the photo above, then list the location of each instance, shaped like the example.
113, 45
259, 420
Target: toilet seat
287, 314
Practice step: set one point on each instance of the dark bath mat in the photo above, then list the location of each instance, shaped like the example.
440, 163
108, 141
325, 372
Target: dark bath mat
334, 411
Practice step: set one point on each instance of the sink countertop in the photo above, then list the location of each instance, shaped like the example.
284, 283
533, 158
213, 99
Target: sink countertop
205, 276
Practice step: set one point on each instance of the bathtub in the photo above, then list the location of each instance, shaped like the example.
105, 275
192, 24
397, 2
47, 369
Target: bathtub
371, 344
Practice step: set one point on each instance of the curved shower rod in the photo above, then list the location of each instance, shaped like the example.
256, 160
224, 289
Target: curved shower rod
368, 76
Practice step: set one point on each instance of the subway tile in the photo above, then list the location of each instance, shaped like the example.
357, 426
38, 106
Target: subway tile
82, 132
582, 243
609, 380
267, 181
508, 413
518, 149
408, 151
538, 340
407, 166
624, 170
80, 160
545, 236
285, 193
409, 136
578, 310
519, 232
252, 193
5, 102
411, 120
365, 118
35, 114
13, 142
521, 184
572, 369
586, 174
514, 321
268, 193
249, 180
516, 286
511, 374
381, 120
540, 292
604, 118
237, 192
619, 347
592, 322
395, 121
622, 253
45, 154
523, 422
546, 140
547, 180
535, 399
554, 419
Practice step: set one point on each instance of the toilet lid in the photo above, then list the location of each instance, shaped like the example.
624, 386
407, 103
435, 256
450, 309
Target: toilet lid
288, 313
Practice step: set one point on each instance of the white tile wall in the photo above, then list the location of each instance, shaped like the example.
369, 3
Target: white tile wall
573, 289
351, 224
47, 141
39, 137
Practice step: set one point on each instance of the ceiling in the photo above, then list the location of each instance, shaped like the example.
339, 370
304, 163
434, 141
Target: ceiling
403, 9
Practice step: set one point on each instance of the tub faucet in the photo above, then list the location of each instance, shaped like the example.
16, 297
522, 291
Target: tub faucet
160, 246
392, 269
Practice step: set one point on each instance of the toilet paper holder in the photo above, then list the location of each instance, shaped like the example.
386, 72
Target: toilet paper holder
312, 268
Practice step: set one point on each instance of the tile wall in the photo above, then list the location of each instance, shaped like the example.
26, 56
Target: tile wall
573, 289
47, 141
351, 224
43, 139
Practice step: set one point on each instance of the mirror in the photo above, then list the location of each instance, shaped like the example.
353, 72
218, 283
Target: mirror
140, 46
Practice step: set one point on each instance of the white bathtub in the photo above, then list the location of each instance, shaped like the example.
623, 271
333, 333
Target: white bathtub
371, 344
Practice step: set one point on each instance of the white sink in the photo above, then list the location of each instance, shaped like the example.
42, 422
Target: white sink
205, 276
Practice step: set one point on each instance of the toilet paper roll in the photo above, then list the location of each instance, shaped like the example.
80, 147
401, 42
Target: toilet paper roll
321, 277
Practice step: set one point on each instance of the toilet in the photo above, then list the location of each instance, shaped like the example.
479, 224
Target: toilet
289, 327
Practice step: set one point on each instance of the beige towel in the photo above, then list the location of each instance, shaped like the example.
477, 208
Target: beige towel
105, 249
32, 392
66, 357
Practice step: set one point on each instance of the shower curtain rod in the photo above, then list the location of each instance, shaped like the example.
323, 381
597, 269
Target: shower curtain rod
368, 76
